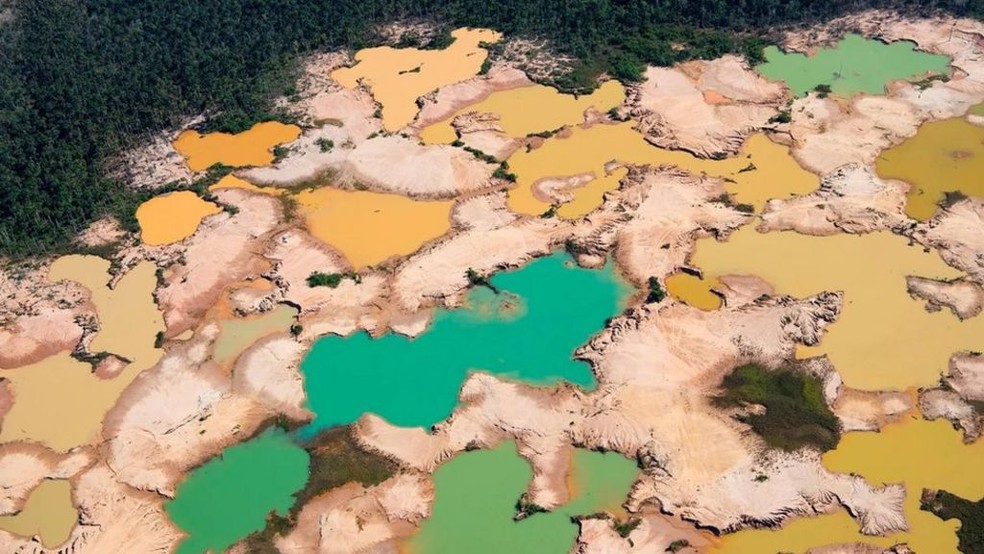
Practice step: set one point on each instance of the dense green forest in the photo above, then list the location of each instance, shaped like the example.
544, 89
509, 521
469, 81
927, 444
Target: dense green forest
82, 79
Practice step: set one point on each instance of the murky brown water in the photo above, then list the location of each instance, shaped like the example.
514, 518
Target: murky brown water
172, 217
48, 513
249, 148
371, 227
66, 402
943, 156
398, 76
883, 339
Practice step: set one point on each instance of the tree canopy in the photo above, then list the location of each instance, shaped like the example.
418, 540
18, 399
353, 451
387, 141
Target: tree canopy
82, 79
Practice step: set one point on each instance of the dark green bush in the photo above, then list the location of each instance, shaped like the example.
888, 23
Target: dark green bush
796, 414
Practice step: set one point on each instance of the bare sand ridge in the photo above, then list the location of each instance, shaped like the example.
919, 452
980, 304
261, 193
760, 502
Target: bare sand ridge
352, 518
530, 109
704, 107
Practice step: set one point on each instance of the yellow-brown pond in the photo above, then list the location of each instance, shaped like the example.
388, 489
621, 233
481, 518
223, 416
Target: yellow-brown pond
398, 76
48, 513
883, 339
762, 170
238, 334
944, 156
693, 290
919, 453
532, 109
129, 321
172, 217
370, 227
252, 147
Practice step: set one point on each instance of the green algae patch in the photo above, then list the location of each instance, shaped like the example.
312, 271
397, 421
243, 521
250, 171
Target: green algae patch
942, 162
854, 65
528, 331
231, 495
336, 459
796, 414
476, 496
945, 505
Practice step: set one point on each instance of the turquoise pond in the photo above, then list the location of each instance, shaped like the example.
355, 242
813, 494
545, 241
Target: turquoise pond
529, 331
231, 495
855, 64
475, 498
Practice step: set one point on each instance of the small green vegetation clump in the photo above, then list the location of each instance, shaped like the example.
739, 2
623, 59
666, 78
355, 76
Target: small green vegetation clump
487, 158
159, 339
625, 528
502, 172
678, 545
319, 279
296, 330
796, 414
952, 197
945, 505
331, 280
550, 212
781, 117
525, 508
476, 279
325, 144
656, 292
823, 90
279, 153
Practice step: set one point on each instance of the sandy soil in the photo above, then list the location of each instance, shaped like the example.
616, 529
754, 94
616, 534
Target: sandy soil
222, 251
672, 109
962, 297
655, 533
850, 199
186, 409
670, 210
353, 519
958, 234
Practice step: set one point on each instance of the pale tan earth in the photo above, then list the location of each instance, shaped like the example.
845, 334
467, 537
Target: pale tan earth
655, 533
102, 232
444, 102
961, 389
222, 250
113, 518
962, 297
939, 403
187, 409
958, 234
861, 410
24, 465
657, 365
38, 318
850, 199
671, 209
352, 519
672, 110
